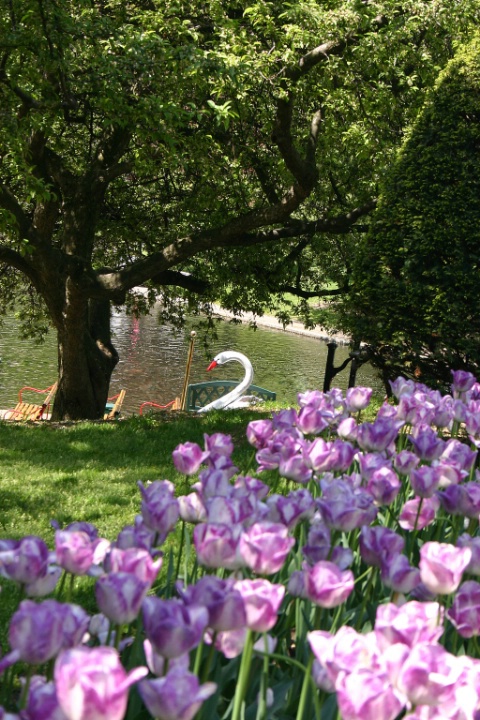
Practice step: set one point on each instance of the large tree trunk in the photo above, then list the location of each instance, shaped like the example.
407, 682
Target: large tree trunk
86, 359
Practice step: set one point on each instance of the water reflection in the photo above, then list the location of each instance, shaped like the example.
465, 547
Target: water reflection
153, 359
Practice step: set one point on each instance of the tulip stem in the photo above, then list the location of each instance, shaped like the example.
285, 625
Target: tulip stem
180, 550
262, 703
243, 675
304, 694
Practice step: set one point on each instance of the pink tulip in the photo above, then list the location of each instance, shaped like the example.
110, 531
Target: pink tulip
264, 547
465, 611
91, 683
188, 458
412, 623
262, 601
366, 694
217, 545
326, 585
442, 565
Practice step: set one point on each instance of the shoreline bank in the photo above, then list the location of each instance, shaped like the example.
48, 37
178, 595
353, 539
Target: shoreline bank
272, 323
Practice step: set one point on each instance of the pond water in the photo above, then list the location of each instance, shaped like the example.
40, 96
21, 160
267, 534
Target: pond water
153, 360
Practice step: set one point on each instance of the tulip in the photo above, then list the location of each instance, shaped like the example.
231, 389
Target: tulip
177, 696
429, 675
427, 445
384, 485
326, 585
379, 544
357, 398
160, 509
136, 561
379, 435
465, 611
442, 565
289, 510
188, 458
399, 575
344, 508
120, 596
157, 664
462, 382
295, 468
226, 610
425, 480
262, 601
416, 514
366, 694
35, 633
264, 547
412, 623
218, 444
259, 432
405, 461
74, 551
26, 562
172, 627
91, 683
137, 535
318, 542
192, 508
75, 623
42, 701
217, 545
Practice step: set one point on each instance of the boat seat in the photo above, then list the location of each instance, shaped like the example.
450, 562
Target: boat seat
201, 394
31, 411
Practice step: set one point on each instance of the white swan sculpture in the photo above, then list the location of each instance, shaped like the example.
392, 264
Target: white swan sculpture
232, 399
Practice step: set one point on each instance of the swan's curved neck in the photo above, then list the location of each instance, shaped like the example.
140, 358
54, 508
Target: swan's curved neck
237, 391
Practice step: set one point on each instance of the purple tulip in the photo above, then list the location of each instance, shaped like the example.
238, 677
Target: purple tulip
188, 458
74, 551
91, 683
42, 701
218, 444
244, 484
378, 545
399, 575
412, 623
157, 664
259, 433
442, 565
427, 445
384, 485
215, 482
318, 542
44, 585
357, 398
416, 514
345, 651
344, 508
136, 561
136, 536
35, 633
462, 381
120, 596
312, 420
401, 386
429, 675
462, 499
425, 480
192, 508
75, 623
405, 461
226, 610
366, 694
217, 545
459, 454
295, 468
160, 509
27, 562
172, 627
465, 611
379, 435
326, 585
370, 463
264, 547
262, 601
466, 540
177, 696
289, 510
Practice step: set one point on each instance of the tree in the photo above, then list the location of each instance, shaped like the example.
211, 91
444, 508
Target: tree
416, 293
208, 150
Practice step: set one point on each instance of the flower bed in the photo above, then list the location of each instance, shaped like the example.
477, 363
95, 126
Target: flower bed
344, 587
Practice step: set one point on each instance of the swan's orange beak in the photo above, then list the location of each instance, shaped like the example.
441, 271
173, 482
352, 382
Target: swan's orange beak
212, 365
